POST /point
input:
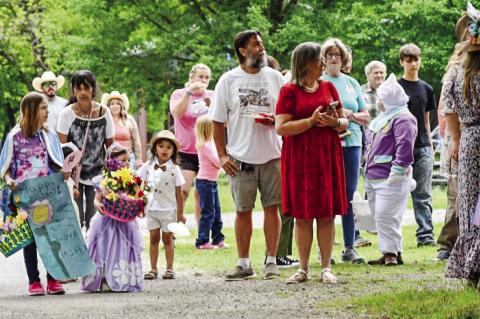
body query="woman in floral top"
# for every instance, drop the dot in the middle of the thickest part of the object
(31, 151)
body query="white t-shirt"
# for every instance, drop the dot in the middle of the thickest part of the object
(55, 106)
(238, 97)
(153, 176)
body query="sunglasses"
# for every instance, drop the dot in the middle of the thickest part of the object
(48, 84)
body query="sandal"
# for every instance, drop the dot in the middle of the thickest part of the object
(151, 275)
(327, 277)
(299, 277)
(169, 274)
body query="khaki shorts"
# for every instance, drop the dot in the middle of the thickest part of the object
(157, 219)
(264, 177)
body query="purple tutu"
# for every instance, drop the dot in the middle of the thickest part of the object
(116, 249)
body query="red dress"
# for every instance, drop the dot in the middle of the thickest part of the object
(313, 176)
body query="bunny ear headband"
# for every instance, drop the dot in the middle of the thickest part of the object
(473, 43)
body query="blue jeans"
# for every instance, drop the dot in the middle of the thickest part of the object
(351, 160)
(210, 214)
(422, 195)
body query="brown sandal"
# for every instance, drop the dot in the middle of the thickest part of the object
(169, 274)
(297, 278)
(151, 275)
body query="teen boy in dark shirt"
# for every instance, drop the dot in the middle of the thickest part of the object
(421, 102)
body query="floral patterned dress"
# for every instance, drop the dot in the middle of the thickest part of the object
(464, 261)
(116, 249)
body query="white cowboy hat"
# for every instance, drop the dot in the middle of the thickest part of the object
(106, 97)
(47, 76)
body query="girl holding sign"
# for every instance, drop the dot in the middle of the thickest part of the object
(31, 150)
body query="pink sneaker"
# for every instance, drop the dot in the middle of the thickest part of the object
(222, 244)
(36, 289)
(206, 246)
(54, 287)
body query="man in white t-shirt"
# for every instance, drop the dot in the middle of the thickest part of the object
(48, 84)
(245, 100)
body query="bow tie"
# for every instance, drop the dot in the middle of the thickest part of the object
(162, 167)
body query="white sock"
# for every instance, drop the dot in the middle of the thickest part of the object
(244, 262)
(271, 260)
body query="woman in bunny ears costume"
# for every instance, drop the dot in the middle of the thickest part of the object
(388, 168)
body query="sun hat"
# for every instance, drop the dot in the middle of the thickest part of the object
(46, 77)
(165, 134)
(106, 97)
(390, 92)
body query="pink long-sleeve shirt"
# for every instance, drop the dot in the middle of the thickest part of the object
(209, 162)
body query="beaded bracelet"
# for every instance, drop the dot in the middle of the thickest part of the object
(338, 124)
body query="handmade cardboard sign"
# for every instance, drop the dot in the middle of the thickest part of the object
(54, 225)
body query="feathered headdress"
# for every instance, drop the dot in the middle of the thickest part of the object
(473, 30)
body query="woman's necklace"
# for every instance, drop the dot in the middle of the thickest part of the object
(82, 113)
(311, 89)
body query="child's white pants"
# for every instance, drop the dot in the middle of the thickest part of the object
(387, 204)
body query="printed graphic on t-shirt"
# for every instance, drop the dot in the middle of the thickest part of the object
(254, 100)
(199, 107)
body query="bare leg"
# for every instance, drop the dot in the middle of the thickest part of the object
(167, 239)
(243, 233)
(325, 237)
(271, 229)
(303, 239)
(154, 241)
(189, 177)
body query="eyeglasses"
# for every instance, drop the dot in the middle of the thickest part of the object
(331, 55)
(48, 84)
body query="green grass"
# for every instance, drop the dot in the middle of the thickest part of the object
(439, 197)
(412, 303)
(414, 290)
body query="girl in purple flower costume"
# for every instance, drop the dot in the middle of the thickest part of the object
(115, 247)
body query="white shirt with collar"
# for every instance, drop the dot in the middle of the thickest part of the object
(161, 200)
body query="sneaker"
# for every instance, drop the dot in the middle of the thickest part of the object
(206, 246)
(443, 255)
(349, 255)
(36, 289)
(221, 244)
(427, 244)
(361, 242)
(270, 271)
(240, 273)
(54, 287)
(285, 262)
(327, 277)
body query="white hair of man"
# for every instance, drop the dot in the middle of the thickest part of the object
(374, 64)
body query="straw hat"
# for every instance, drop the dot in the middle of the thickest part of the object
(46, 77)
(106, 97)
(165, 134)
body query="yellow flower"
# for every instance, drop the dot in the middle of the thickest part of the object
(124, 175)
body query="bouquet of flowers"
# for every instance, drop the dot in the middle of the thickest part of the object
(15, 233)
(124, 194)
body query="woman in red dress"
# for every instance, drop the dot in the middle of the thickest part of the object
(309, 116)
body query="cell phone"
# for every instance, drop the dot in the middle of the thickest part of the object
(332, 106)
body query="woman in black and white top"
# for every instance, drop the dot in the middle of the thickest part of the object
(73, 121)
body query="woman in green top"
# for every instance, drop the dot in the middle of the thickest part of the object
(336, 54)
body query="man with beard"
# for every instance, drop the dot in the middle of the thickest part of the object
(245, 99)
(48, 84)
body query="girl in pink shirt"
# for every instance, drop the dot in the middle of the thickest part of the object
(206, 184)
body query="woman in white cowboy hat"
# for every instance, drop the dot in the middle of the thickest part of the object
(126, 129)
(48, 84)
